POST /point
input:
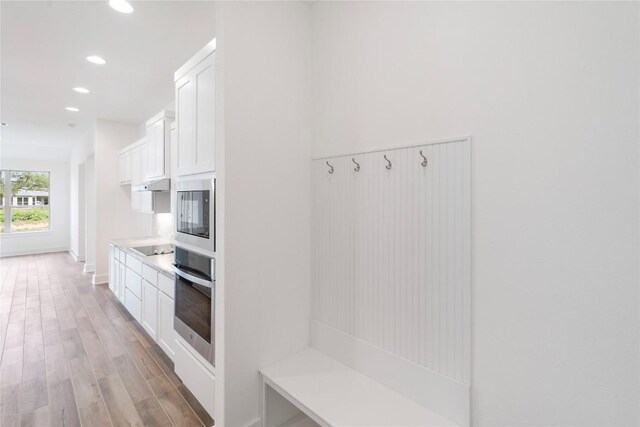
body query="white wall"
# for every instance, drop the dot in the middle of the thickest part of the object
(549, 92)
(113, 203)
(79, 154)
(91, 222)
(81, 212)
(108, 203)
(263, 172)
(57, 238)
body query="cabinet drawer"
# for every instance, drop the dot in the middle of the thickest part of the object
(198, 378)
(133, 304)
(135, 264)
(166, 284)
(134, 283)
(150, 275)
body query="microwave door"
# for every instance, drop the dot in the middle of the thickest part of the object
(197, 209)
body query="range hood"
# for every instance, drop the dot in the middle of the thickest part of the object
(163, 184)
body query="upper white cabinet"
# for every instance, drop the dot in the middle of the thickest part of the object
(135, 159)
(136, 174)
(124, 167)
(159, 146)
(195, 113)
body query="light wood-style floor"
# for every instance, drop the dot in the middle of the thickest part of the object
(72, 355)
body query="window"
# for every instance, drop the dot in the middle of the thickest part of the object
(27, 206)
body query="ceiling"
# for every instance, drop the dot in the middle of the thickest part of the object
(42, 57)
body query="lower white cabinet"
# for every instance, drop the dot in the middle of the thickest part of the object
(196, 376)
(133, 283)
(166, 339)
(117, 271)
(133, 304)
(120, 293)
(114, 271)
(150, 309)
(146, 294)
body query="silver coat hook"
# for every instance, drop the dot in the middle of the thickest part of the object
(330, 167)
(424, 159)
(388, 161)
(357, 168)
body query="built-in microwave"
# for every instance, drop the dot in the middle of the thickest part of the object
(195, 213)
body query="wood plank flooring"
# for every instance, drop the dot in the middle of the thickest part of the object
(71, 355)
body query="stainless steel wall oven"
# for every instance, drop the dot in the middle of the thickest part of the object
(194, 318)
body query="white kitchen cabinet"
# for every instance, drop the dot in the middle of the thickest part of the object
(124, 167)
(195, 113)
(136, 177)
(133, 283)
(198, 377)
(116, 273)
(113, 268)
(121, 287)
(166, 339)
(146, 294)
(146, 197)
(159, 146)
(133, 305)
(150, 308)
(142, 201)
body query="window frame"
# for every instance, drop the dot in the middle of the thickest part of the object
(8, 203)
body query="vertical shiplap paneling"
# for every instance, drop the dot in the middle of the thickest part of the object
(391, 252)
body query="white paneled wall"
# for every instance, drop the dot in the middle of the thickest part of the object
(391, 252)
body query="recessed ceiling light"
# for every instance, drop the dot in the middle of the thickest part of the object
(81, 89)
(121, 6)
(96, 60)
(4, 124)
(74, 109)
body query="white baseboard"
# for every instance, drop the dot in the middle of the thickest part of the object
(441, 394)
(89, 268)
(31, 251)
(75, 256)
(99, 279)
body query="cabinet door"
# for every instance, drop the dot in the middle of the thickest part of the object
(165, 324)
(150, 309)
(113, 269)
(146, 201)
(185, 124)
(121, 169)
(121, 286)
(144, 162)
(155, 143)
(124, 168)
(136, 165)
(205, 116)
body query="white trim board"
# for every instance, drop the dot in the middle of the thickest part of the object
(75, 256)
(32, 252)
(466, 138)
(99, 279)
(443, 395)
(89, 268)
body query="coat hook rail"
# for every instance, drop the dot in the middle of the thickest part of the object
(330, 167)
(388, 162)
(424, 159)
(357, 168)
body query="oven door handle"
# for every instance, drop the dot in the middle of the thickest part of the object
(194, 279)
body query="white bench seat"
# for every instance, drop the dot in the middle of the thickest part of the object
(333, 394)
